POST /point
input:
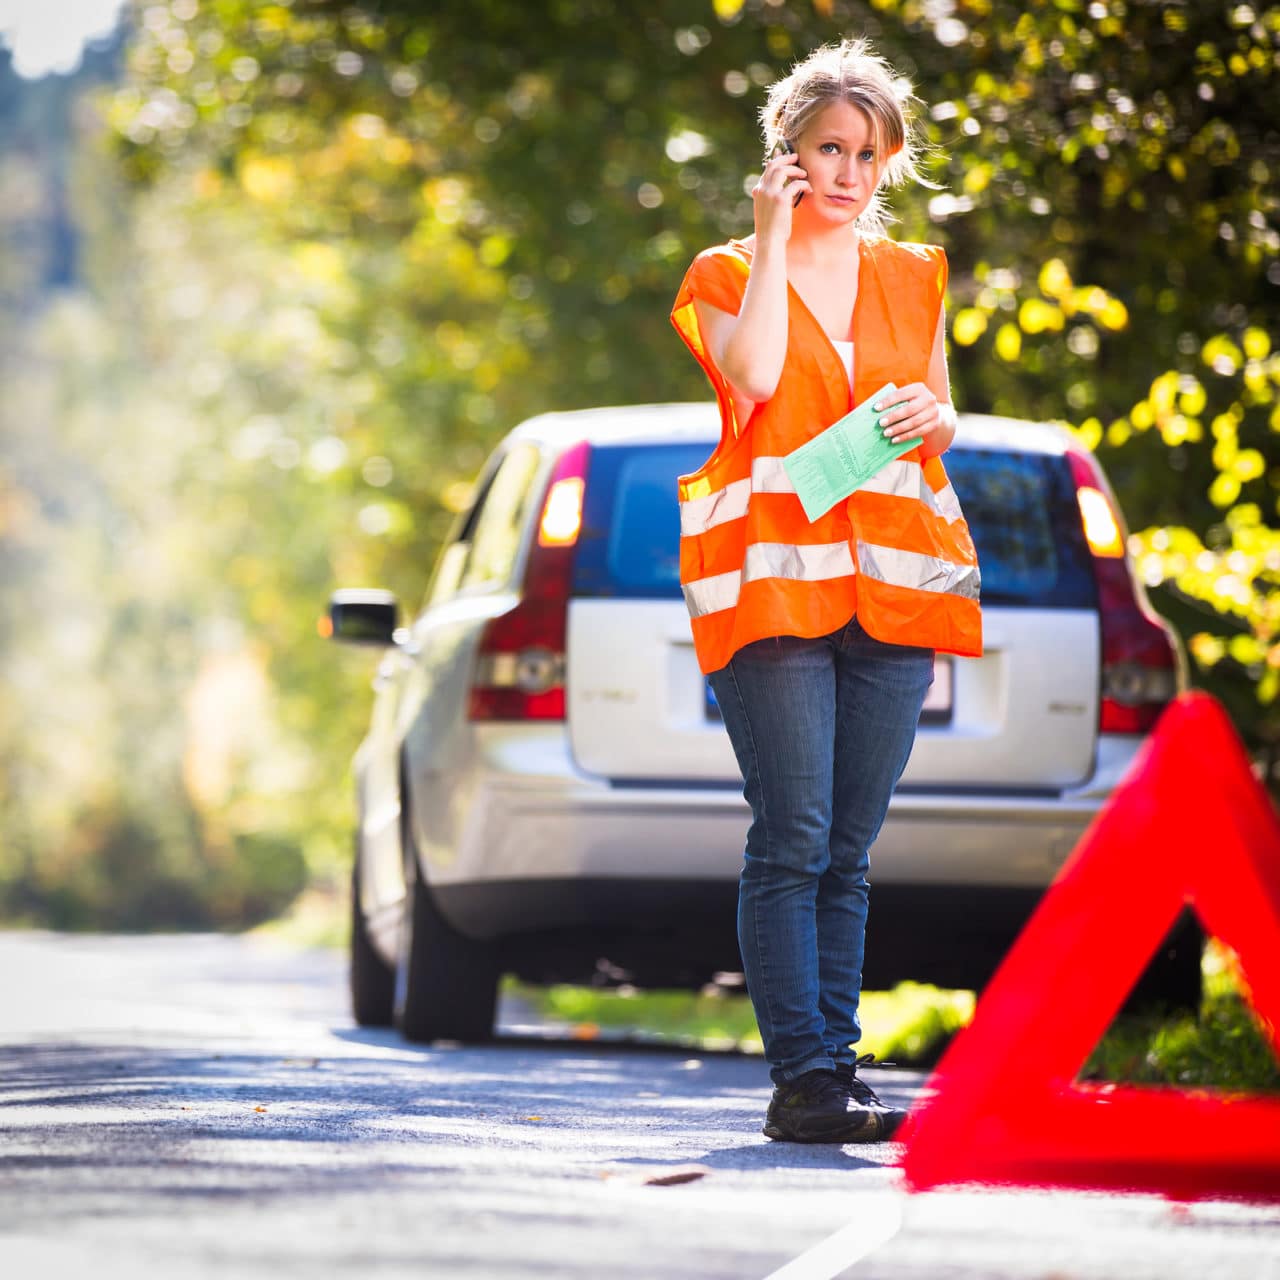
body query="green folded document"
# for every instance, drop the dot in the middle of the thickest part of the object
(843, 457)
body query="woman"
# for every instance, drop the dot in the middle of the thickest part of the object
(818, 637)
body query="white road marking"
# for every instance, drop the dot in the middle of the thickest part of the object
(879, 1218)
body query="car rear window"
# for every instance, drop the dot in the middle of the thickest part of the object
(630, 540)
(1021, 510)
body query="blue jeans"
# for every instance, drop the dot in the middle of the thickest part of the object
(822, 730)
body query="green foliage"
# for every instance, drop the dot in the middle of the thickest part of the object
(1223, 1048)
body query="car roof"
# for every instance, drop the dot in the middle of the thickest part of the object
(698, 422)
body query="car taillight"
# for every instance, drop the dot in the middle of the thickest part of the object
(520, 662)
(1139, 655)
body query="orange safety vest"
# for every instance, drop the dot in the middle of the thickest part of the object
(897, 552)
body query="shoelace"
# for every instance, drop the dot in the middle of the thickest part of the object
(862, 1092)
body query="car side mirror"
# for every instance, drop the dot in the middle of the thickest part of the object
(363, 616)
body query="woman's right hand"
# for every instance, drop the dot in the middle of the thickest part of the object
(775, 194)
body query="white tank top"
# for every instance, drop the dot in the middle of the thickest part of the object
(845, 351)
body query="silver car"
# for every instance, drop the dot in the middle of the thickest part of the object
(546, 788)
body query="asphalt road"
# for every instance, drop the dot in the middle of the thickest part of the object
(193, 1106)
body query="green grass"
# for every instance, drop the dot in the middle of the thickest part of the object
(908, 1024)
(1224, 1048)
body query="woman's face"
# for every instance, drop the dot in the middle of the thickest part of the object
(838, 151)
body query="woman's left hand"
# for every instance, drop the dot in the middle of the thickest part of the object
(915, 413)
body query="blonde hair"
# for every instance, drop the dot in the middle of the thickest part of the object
(852, 72)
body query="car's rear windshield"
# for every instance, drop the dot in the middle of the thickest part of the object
(1021, 509)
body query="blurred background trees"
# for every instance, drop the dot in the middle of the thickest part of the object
(274, 277)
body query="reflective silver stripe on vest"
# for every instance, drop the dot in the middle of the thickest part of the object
(814, 563)
(906, 480)
(768, 475)
(697, 515)
(710, 595)
(919, 572)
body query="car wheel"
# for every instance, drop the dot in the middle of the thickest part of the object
(373, 981)
(446, 983)
(1173, 980)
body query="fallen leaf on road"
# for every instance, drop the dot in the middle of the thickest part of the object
(585, 1031)
(259, 1108)
(673, 1177)
(533, 1117)
(670, 1175)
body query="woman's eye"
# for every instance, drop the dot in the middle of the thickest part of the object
(867, 155)
(828, 147)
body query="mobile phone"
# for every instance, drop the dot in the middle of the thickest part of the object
(788, 145)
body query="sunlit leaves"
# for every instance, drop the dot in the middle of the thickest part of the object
(1239, 578)
(1036, 316)
(1008, 343)
(1055, 279)
(969, 325)
(1225, 489)
(1221, 354)
(1256, 343)
(1248, 464)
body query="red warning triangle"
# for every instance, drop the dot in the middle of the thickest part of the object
(1189, 824)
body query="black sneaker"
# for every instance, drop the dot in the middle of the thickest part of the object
(816, 1107)
(864, 1095)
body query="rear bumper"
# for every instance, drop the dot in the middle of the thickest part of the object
(523, 814)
